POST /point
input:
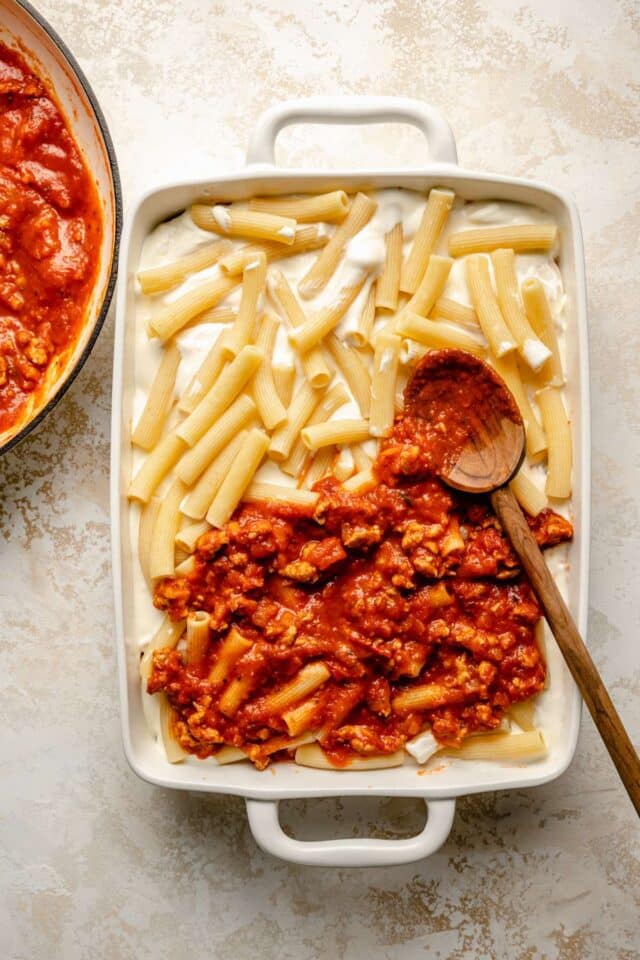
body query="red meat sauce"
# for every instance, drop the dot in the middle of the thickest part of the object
(50, 235)
(449, 394)
(406, 584)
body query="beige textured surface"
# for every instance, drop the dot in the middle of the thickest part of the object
(98, 864)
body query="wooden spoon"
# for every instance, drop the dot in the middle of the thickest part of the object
(487, 440)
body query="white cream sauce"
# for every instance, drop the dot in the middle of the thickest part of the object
(363, 255)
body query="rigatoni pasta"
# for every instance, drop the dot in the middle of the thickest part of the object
(520, 237)
(200, 496)
(302, 406)
(220, 434)
(174, 315)
(558, 431)
(331, 206)
(309, 334)
(486, 306)
(383, 384)
(335, 432)
(533, 351)
(434, 218)
(387, 287)
(151, 421)
(235, 221)
(240, 475)
(166, 276)
(306, 239)
(313, 361)
(240, 333)
(539, 315)
(360, 212)
(270, 407)
(163, 535)
(221, 395)
(332, 400)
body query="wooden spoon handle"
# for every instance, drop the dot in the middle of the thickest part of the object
(576, 655)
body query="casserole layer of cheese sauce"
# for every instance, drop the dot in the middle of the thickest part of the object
(180, 236)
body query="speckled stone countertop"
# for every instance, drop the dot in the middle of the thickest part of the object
(96, 863)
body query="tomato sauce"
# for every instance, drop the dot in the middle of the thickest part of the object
(50, 235)
(407, 584)
(449, 394)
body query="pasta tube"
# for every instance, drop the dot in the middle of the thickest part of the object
(434, 218)
(324, 206)
(541, 319)
(486, 306)
(383, 384)
(221, 395)
(313, 363)
(361, 481)
(523, 713)
(257, 492)
(501, 746)
(149, 426)
(362, 335)
(361, 211)
(308, 679)
(446, 309)
(284, 379)
(240, 475)
(302, 406)
(388, 286)
(219, 434)
(320, 466)
(530, 347)
(159, 279)
(148, 517)
(335, 398)
(270, 407)
(431, 286)
(168, 635)
(233, 221)
(197, 636)
(435, 334)
(160, 461)
(204, 377)
(344, 466)
(235, 693)
(528, 495)
(239, 335)
(187, 537)
(558, 431)
(199, 499)
(232, 648)
(521, 237)
(163, 538)
(335, 432)
(175, 315)
(507, 368)
(174, 751)
(310, 333)
(354, 370)
(311, 237)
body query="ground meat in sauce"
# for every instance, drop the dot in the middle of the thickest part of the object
(50, 234)
(408, 583)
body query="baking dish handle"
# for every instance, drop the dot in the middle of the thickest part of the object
(349, 852)
(442, 145)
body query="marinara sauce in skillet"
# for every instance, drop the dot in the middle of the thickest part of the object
(50, 234)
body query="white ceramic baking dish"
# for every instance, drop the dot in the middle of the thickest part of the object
(439, 787)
